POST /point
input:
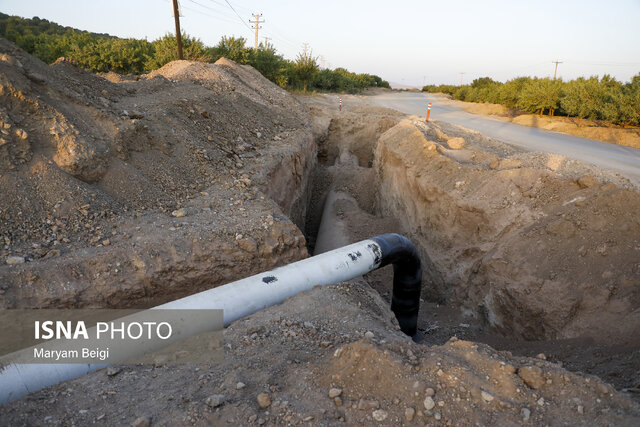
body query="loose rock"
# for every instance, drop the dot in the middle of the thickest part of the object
(13, 260)
(409, 413)
(380, 415)
(532, 376)
(264, 400)
(141, 422)
(335, 392)
(178, 213)
(365, 404)
(429, 403)
(487, 397)
(112, 371)
(587, 181)
(216, 400)
(456, 143)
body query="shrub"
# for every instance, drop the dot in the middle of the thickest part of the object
(165, 50)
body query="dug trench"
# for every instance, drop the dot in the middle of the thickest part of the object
(531, 253)
(129, 192)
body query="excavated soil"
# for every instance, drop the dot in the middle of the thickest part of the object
(140, 191)
(123, 192)
(311, 364)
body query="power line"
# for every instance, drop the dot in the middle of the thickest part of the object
(228, 19)
(276, 29)
(555, 72)
(218, 15)
(224, 4)
(280, 39)
(210, 8)
(208, 15)
(608, 64)
(239, 17)
(257, 26)
(275, 33)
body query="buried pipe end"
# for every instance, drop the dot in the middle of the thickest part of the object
(407, 278)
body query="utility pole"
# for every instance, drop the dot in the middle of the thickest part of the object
(266, 41)
(461, 75)
(257, 26)
(322, 61)
(306, 47)
(555, 72)
(176, 16)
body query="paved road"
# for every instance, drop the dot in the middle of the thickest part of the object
(625, 160)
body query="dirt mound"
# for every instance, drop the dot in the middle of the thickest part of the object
(227, 75)
(522, 240)
(91, 167)
(301, 362)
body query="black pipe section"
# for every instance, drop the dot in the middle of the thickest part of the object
(407, 278)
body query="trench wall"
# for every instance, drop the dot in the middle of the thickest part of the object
(534, 253)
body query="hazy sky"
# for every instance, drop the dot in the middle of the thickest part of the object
(402, 41)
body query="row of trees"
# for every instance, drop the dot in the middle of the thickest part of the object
(101, 53)
(592, 98)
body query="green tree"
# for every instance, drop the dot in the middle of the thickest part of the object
(233, 48)
(593, 98)
(268, 62)
(539, 95)
(509, 93)
(305, 66)
(165, 50)
(630, 102)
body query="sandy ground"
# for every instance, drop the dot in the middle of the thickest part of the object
(208, 172)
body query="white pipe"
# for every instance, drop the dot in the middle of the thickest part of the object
(333, 232)
(237, 299)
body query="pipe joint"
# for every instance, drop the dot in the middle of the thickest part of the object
(407, 278)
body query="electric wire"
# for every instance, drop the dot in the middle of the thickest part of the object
(238, 15)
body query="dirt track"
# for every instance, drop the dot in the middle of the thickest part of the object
(130, 193)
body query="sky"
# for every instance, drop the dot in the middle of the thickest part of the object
(406, 42)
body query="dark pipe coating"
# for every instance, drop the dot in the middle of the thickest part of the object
(407, 278)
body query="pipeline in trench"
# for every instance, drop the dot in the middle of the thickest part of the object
(345, 207)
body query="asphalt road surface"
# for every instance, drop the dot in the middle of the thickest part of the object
(624, 160)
